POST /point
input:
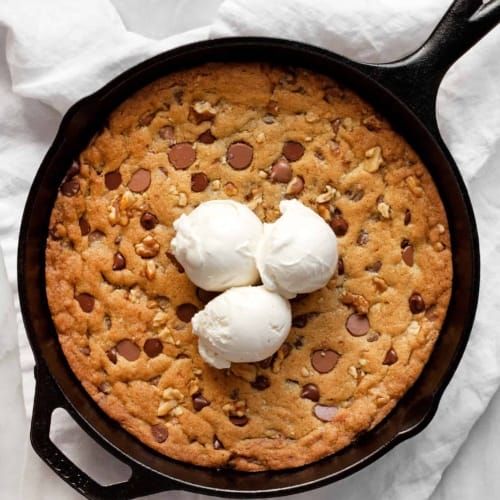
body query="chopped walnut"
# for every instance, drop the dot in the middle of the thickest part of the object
(216, 184)
(324, 212)
(261, 137)
(230, 189)
(358, 301)
(414, 186)
(283, 352)
(182, 201)
(147, 248)
(150, 269)
(202, 111)
(380, 283)
(384, 210)
(159, 319)
(193, 386)
(413, 328)
(312, 117)
(327, 195)
(245, 371)
(373, 159)
(235, 408)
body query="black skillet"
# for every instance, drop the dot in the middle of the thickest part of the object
(405, 91)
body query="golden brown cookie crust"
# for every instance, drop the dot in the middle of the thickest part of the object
(112, 284)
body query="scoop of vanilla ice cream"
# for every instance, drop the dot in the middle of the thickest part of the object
(298, 252)
(242, 325)
(216, 244)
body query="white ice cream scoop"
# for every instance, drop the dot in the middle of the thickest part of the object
(216, 244)
(298, 253)
(242, 325)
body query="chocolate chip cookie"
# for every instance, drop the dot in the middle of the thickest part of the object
(122, 304)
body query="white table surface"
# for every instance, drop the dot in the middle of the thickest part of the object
(474, 473)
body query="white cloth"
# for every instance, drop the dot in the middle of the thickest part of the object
(56, 52)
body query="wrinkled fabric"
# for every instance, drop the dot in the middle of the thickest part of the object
(53, 53)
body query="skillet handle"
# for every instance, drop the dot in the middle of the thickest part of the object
(415, 79)
(48, 397)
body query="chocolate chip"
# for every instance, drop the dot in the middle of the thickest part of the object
(375, 267)
(324, 361)
(73, 170)
(357, 325)
(112, 180)
(260, 383)
(339, 225)
(205, 296)
(266, 363)
(186, 311)
(372, 337)
(140, 181)
(199, 402)
(111, 354)
(128, 349)
(95, 236)
(298, 342)
(182, 155)
(167, 133)
(118, 240)
(153, 347)
(146, 119)
(159, 432)
(272, 107)
(239, 155)
(70, 188)
(296, 186)
(104, 387)
(408, 255)
(407, 218)
(178, 95)
(148, 221)
(119, 262)
(417, 304)
(86, 302)
(199, 182)
(336, 125)
(234, 394)
(85, 350)
(325, 413)
(217, 444)
(391, 357)
(174, 261)
(206, 137)
(356, 195)
(281, 171)
(340, 266)
(300, 321)
(84, 226)
(310, 391)
(293, 150)
(107, 322)
(239, 421)
(363, 237)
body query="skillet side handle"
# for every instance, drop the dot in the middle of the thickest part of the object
(47, 398)
(415, 79)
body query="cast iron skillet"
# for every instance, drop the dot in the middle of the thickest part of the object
(405, 91)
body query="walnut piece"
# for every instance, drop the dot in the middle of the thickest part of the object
(373, 159)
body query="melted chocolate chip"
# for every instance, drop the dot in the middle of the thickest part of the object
(199, 182)
(340, 266)
(391, 357)
(266, 363)
(73, 170)
(86, 302)
(186, 311)
(293, 150)
(206, 137)
(339, 225)
(95, 236)
(119, 262)
(356, 195)
(408, 254)
(84, 226)
(281, 171)
(310, 391)
(199, 402)
(375, 267)
(85, 350)
(112, 180)
(168, 134)
(70, 187)
(407, 218)
(324, 361)
(324, 413)
(239, 155)
(363, 237)
(182, 155)
(300, 321)
(140, 181)
(104, 387)
(416, 302)
(159, 432)
(153, 347)
(111, 354)
(205, 296)
(128, 349)
(148, 221)
(146, 119)
(174, 261)
(239, 421)
(217, 444)
(357, 325)
(260, 383)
